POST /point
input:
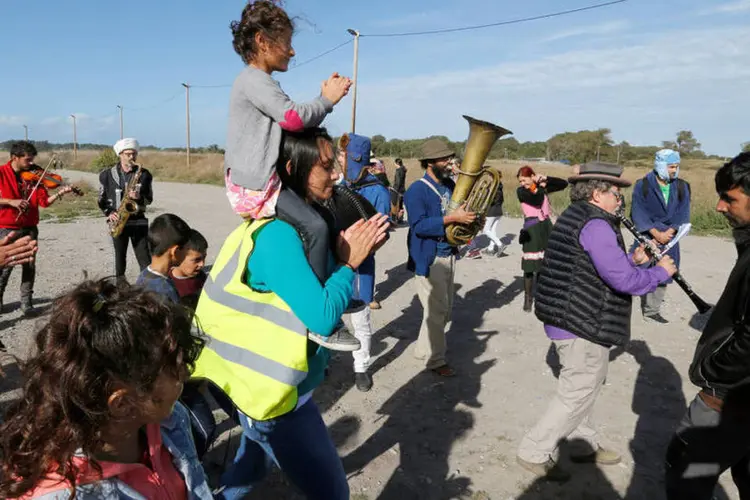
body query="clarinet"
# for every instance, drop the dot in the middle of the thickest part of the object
(702, 306)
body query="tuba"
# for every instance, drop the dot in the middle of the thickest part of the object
(128, 206)
(476, 186)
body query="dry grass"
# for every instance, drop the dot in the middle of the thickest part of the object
(71, 206)
(204, 168)
(208, 169)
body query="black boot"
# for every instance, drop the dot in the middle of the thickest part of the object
(27, 305)
(528, 292)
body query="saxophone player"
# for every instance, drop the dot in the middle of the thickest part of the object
(113, 187)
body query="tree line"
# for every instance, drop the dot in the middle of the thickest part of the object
(46, 146)
(567, 147)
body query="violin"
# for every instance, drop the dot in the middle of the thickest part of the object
(49, 180)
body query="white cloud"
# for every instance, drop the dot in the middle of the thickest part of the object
(594, 29)
(12, 120)
(673, 59)
(675, 80)
(729, 8)
(52, 121)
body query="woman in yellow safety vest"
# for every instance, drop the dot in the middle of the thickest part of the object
(258, 304)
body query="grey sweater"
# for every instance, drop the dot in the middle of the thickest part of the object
(258, 111)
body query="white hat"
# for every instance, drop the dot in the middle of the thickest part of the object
(125, 144)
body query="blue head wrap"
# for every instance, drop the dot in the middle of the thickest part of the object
(664, 158)
(357, 155)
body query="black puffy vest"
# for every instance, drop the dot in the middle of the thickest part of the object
(570, 294)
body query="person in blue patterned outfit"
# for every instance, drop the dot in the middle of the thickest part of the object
(372, 189)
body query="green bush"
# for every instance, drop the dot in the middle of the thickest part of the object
(106, 159)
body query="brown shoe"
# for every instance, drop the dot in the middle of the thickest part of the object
(444, 371)
(375, 304)
(549, 470)
(600, 456)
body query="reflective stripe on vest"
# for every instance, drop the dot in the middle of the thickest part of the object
(256, 348)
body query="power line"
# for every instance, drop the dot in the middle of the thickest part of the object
(295, 66)
(333, 49)
(158, 104)
(500, 23)
(211, 86)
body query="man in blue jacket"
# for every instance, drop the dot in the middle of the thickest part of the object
(661, 204)
(431, 257)
(366, 184)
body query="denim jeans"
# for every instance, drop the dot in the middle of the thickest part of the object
(299, 444)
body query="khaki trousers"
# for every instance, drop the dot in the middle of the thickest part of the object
(584, 368)
(436, 295)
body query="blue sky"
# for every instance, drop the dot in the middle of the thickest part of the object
(643, 68)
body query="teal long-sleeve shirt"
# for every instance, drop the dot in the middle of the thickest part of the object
(278, 263)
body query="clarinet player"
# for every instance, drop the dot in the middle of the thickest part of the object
(113, 183)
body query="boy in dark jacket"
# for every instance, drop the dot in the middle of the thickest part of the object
(714, 434)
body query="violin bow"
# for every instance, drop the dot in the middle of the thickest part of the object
(49, 164)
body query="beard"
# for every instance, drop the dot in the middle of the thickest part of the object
(442, 173)
(734, 222)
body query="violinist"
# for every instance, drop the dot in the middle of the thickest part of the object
(20, 200)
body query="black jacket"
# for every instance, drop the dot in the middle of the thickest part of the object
(399, 180)
(722, 358)
(570, 293)
(554, 184)
(112, 180)
(496, 209)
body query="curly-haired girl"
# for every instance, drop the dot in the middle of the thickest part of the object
(258, 112)
(99, 417)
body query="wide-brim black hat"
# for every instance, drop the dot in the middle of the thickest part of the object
(600, 171)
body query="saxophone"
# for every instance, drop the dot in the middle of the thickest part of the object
(127, 207)
(476, 185)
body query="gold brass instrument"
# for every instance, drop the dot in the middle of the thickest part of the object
(127, 207)
(476, 186)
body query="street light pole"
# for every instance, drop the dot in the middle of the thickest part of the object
(75, 138)
(121, 127)
(355, 34)
(187, 119)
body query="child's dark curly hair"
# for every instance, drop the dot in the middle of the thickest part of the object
(99, 335)
(262, 16)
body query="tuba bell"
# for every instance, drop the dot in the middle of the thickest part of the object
(476, 185)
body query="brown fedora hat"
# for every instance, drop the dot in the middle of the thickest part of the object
(434, 149)
(600, 171)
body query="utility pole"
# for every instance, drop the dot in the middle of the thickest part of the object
(355, 34)
(121, 128)
(187, 119)
(25, 133)
(75, 138)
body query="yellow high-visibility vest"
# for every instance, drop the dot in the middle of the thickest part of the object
(256, 350)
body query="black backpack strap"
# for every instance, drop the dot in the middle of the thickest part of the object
(358, 186)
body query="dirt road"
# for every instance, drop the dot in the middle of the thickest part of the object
(415, 436)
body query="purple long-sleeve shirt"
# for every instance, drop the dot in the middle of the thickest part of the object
(615, 267)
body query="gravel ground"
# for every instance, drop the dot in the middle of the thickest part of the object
(415, 436)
